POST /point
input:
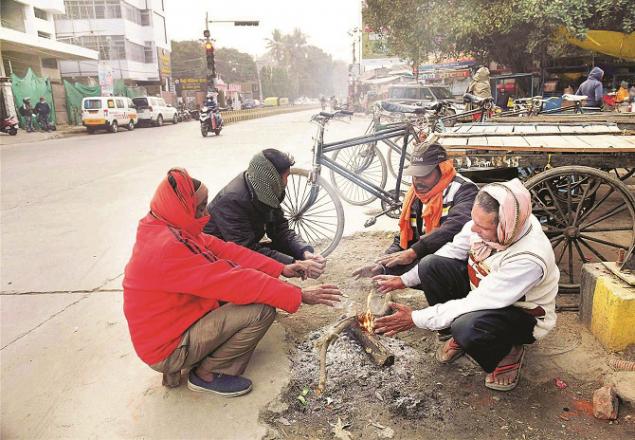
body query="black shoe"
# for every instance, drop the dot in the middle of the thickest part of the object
(223, 385)
(444, 334)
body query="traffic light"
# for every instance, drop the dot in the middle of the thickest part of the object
(209, 54)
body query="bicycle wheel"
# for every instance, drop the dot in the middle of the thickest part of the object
(365, 161)
(321, 224)
(393, 161)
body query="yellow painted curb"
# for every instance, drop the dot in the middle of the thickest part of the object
(613, 314)
(244, 115)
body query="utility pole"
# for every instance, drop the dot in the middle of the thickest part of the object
(209, 48)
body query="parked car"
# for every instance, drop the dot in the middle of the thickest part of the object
(154, 111)
(420, 95)
(109, 113)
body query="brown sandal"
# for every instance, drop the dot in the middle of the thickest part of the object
(449, 352)
(515, 366)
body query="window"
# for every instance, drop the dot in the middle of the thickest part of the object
(426, 93)
(132, 14)
(111, 103)
(145, 17)
(83, 9)
(135, 52)
(43, 34)
(92, 104)
(441, 92)
(49, 63)
(110, 47)
(39, 13)
(120, 103)
(149, 52)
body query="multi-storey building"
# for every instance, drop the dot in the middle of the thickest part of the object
(28, 40)
(130, 36)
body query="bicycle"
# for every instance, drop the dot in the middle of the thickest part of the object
(313, 206)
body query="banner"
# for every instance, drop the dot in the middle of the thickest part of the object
(165, 65)
(104, 72)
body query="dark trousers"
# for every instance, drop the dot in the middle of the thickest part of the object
(486, 335)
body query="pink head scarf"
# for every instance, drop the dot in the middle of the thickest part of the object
(514, 211)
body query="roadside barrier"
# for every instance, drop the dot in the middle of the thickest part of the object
(244, 115)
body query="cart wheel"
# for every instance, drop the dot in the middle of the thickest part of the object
(587, 214)
(393, 162)
(321, 224)
(622, 173)
(365, 161)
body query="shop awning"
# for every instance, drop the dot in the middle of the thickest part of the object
(616, 44)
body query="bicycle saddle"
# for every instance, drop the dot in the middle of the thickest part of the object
(569, 97)
(468, 97)
(399, 108)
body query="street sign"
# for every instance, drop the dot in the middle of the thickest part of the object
(247, 23)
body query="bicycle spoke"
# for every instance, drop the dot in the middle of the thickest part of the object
(564, 248)
(582, 257)
(608, 229)
(570, 263)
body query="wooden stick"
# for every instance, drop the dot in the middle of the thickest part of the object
(372, 346)
(324, 343)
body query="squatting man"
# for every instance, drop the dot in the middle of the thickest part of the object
(493, 287)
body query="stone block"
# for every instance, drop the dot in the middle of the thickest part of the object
(605, 403)
(624, 383)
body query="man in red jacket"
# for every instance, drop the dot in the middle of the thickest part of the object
(193, 300)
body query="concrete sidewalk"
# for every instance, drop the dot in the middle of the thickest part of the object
(72, 373)
(23, 137)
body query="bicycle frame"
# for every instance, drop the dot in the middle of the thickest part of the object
(320, 159)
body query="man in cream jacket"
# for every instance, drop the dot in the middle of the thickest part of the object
(493, 287)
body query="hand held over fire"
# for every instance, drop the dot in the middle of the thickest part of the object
(388, 283)
(304, 269)
(327, 294)
(399, 321)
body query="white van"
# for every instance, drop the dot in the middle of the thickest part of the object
(154, 111)
(108, 112)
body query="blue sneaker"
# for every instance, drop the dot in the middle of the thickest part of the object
(223, 385)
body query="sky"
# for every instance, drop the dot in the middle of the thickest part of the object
(325, 22)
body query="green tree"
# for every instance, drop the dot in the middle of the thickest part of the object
(518, 33)
(189, 61)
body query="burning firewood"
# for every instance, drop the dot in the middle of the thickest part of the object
(361, 327)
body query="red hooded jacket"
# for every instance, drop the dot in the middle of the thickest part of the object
(177, 274)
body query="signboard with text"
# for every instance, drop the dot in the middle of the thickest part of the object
(165, 66)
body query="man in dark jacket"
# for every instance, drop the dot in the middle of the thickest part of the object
(26, 111)
(592, 88)
(435, 209)
(43, 110)
(249, 207)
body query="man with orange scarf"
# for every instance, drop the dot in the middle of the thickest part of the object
(435, 208)
(494, 287)
(194, 301)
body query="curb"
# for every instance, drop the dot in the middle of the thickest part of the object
(230, 117)
(607, 307)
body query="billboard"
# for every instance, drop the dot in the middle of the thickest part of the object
(106, 82)
(165, 65)
(374, 45)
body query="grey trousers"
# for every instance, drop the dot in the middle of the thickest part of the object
(221, 341)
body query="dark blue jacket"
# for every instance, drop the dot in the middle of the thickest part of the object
(592, 88)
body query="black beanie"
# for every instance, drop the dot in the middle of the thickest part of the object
(281, 161)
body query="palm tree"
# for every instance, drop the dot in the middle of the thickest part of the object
(276, 46)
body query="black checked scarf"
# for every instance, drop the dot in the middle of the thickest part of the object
(265, 180)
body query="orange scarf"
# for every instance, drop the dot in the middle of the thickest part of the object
(433, 201)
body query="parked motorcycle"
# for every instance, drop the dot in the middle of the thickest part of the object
(211, 120)
(9, 125)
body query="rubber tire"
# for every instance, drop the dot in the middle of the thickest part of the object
(90, 130)
(384, 179)
(217, 132)
(130, 125)
(338, 209)
(13, 132)
(114, 127)
(175, 120)
(159, 121)
(204, 130)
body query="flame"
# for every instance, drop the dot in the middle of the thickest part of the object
(367, 319)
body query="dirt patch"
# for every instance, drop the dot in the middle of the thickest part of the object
(419, 398)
